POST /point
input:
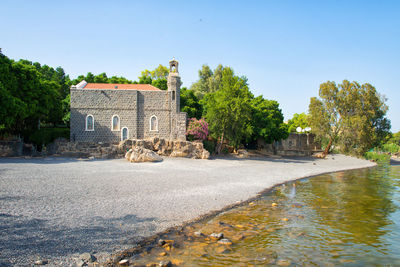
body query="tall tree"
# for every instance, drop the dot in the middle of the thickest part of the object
(228, 109)
(190, 104)
(350, 114)
(157, 77)
(298, 120)
(208, 82)
(267, 120)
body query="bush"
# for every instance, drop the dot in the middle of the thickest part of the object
(391, 148)
(377, 156)
(197, 129)
(209, 145)
(45, 136)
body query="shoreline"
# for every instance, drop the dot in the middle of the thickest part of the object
(147, 199)
(153, 240)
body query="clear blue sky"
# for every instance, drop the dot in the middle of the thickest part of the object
(285, 48)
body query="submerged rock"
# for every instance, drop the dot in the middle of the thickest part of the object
(165, 264)
(217, 236)
(198, 234)
(225, 241)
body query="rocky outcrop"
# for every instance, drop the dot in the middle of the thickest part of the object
(169, 148)
(140, 154)
(162, 147)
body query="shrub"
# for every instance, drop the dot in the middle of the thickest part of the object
(377, 156)
(391, 148)
(197, 129)
(209, 145)
(45, 136)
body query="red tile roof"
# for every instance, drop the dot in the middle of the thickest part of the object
(145, 87)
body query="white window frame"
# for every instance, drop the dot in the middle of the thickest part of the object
(86, 124)
(112, 124)
(122, 133)
(152, 130)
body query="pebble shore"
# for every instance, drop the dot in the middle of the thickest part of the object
(56, 209)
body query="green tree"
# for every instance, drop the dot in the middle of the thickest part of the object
(157, 77)
(267, 120)
(228, 109)
(190, 104)
(298, 120)
(208, 82)
(350, 114)
(394, 138)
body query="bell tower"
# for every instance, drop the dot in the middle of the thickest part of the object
(174, 85)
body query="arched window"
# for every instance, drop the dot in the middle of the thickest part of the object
(124, 134)
(89, 125)
(115, 123)
(153, 123)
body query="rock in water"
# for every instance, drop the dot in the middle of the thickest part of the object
(217, 236)
(41, 262)
(123, 262)
(225, 241)
(165, 264)
(140, 154)
(198, 234)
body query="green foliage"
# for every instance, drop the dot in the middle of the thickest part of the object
(100, 78)
(298, 120)
(267, 120)
(391, 148)
(45, 136)
(209, 145)
(351, 113)
(377, 156)
(209, 81)
(228, 109)
(394, 138)
(30, 94)
(157, 77)
(190, 104)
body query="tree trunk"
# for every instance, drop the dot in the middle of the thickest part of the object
(328, 147)
(219, 147)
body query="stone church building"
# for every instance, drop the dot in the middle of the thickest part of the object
(113, 112)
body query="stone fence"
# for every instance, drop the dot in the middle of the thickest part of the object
(11, 148)
(163, 147)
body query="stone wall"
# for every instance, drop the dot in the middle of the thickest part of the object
(102, 104)
(294, 145)
(11, 148)
(134, 108)
(163, 147)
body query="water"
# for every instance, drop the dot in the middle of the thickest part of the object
(347, 218)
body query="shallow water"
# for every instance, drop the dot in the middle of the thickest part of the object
(346, 218)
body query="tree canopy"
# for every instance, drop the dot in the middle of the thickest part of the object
(298, 120)
(228, 109)
(30, 94)
(350, 115)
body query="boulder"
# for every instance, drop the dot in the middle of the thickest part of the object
(140, 154)
(205, 154)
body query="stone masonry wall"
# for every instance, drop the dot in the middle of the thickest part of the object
(11, 148)
(134, 108)
(102, 104)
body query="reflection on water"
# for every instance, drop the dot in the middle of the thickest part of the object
(346, 218)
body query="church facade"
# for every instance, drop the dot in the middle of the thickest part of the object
(114, 112)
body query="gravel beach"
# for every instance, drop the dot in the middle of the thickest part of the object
(58, 208)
